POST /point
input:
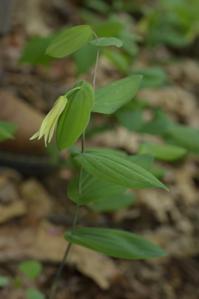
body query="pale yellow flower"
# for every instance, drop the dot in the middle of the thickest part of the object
(50, 121)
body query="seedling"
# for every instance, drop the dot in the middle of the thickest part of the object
(103, 173)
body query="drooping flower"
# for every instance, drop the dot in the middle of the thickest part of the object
(50, 121)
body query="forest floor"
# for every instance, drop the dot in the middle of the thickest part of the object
(35, 211)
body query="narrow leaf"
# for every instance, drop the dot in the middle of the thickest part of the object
(113, 96)
(117, 169)
(107, 42)
(69, 40)
(76, 116)
(115, 243)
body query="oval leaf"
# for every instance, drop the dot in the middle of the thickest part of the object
(115, 243)
(113, 96)
(184, 136)
(107, 42)
(117, 169)
(69, 41)
(34, 51)
(75, 118)
(165, 152)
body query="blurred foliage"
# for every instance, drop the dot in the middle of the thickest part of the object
(31, 270)
(137, 24)
(171, 22)
(7, 130)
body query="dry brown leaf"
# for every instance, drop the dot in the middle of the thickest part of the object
(36, 198)
(176, 101)
(46, 243)
(175, 243)
(185, 73)
(10, 204)
(120, 137)
(13, 210)
(31, 16)
(27, 121)
(185, 187)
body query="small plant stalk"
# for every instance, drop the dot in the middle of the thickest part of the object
(77, 209)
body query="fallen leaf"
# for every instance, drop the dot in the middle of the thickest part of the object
(46, 243)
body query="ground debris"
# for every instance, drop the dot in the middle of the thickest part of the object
(46, 243)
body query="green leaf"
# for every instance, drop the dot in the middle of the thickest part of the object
(32, 269)
(115, 243)
(152, 77)
(6, 130)
(108, 151)
(184, 136)
(32, 293)
(108, 28)
(69, 40)
(97, 5)
(118, 59)
(85, 58)
(113, 203)
(165, 152)
(159, 125)
(158, 171)
(132, 120)
(4, 281)
(107, 42)
(117, 169)
(92, 189)
(145, 161)
(113, 96)
(75, 118)
(129, 42)
(34, 51)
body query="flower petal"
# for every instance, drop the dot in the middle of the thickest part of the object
(49, 123)
(35, 136)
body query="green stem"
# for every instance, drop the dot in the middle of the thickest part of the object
(69, 245)
(68, 248)
(76, 215)
(95, 69)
